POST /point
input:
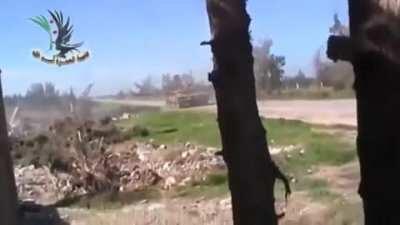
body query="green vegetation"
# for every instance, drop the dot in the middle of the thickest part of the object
(137, 131)
(215, 185)
(178, 127)
(317, 189)
(110, 200)
(201, 128)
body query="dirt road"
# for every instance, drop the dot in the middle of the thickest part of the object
(327, 112)
(134, 102)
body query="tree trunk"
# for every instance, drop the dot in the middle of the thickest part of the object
(245, 150)
(8, 196)
(373, 41)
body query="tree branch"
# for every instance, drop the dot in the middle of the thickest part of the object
(340, 48)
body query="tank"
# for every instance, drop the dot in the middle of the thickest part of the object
(180, 99)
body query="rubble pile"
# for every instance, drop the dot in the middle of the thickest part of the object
(75, 159)
(36, 184)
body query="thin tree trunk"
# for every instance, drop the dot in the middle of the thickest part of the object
(377, 87)
(245, 150)
(8, 196)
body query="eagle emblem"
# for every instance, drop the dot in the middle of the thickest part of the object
(59, 30)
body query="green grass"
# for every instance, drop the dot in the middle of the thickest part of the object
(216, 185)
(202, 129)
(178, 127)
(110, 200)
(317, 189)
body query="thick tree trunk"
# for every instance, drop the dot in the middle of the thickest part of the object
(245, 150)
(377, 87)
(8, 196)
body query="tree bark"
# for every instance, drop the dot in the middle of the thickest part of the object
(378, 105)
(245, 149)
(8, 196)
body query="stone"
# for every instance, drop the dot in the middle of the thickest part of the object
(185, 181)
(169, 183)
(156, 206)
(188, 145)
(185, 154)
(125, 116)
(162, 147)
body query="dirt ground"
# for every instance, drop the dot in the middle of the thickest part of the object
(343, 180)
(202, 212)
(329, 112)
(343, 208)
(300, 211)
(326, 112)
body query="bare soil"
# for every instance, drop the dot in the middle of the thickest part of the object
(325, 112)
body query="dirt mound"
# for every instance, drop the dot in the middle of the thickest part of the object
(80, 158)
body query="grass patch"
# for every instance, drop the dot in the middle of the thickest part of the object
(317, 189)
(216, 185)
(178, 127)
(110, 200)
(136, 131)
(201, 128)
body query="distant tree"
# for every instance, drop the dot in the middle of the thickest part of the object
(181, 82)
(71, 94)
(300, 75)
(339, 75)
(300, 80)
(262, 64)
(276, 68)
(42, 95)
(121, 95)
(177, 82)
(173, 83)
(51, 94)
(187, 80)
(303, 80)
(166, 83)
(146, 87)
(268, 68)
(36, 92)
(50, 90)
